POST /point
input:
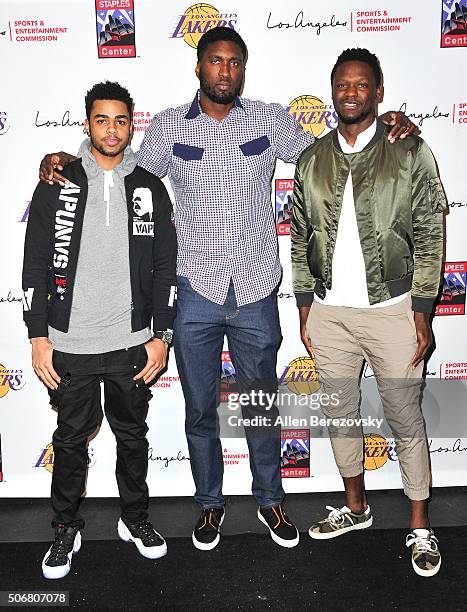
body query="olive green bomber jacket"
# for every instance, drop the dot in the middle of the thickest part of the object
(399, 205)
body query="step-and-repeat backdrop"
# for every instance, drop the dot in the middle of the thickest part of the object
(53, 51)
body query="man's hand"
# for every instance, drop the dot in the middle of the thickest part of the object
(303, 313)
(402, 126)
(42, 362)
(49, 166)
(157, 358)
(424, 337)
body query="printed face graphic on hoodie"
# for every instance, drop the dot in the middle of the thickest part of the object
(142, 203)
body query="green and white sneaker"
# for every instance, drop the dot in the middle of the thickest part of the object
(339, 521)
(426, 558)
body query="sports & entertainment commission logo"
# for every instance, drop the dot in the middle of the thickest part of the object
(300, 376)
(198, 19)
(454, 23)
(452, 301)
(10, 380)
(115, 22)
(377, 451)
(284, 205)
(313, 115)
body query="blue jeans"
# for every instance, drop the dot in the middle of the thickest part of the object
(253, 334)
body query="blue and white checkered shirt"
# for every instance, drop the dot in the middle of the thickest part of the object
(220, 172)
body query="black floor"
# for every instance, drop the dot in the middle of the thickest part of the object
(28, 520)
(365, 570)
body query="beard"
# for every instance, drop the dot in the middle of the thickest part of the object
(352, 120)
(225, 97)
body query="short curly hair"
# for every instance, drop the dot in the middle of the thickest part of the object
(360, 55)
(221, 33)
(108, 90)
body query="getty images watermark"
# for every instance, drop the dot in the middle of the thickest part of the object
(259, 400)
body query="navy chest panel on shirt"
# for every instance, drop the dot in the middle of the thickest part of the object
(222, 154)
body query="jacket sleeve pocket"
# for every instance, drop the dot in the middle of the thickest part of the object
(436, 195)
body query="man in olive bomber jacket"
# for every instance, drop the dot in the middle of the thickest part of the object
(367, 248)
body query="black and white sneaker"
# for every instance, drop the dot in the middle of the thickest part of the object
(282, 530)
(57, 560)
(426, 558)
(206, 534)
(147, 540)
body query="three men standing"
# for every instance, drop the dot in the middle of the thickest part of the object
(219, 153)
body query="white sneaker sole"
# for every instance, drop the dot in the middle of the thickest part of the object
(54, 573)
(276, 538)
(209, 545)
(150, 552)
(426, 573)
(339, 532)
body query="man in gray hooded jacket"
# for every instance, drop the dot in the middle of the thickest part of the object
(99, 264)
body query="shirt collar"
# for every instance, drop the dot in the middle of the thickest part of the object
(195, 109)
(362, 139)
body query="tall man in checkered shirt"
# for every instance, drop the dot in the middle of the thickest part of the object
(219, 152)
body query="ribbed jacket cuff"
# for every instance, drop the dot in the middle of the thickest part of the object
(37, 328)
(422, 304)
(304, 299)
(161, 322)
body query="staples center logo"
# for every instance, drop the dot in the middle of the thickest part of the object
(452, 300)
(198, 19)
(115, 23)
(228, 381)
(295, 453)
(284, 206)
(10, 380)
(313, 115)
(454, 23)
(300, 376)
(377, 451)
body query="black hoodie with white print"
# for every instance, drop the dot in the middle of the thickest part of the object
(100, 257)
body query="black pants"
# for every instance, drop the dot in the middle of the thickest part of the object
(78, 400)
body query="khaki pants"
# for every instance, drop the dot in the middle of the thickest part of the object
(342, 338)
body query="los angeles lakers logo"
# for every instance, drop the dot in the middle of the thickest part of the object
(378, 451)
(313, 114)
(10, 380)
(46, 458)
(301, 376)
(198, 19)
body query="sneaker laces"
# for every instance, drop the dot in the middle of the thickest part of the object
(337, 515)
(207, 514)
(423, 544)
(145, 532)
(62, 545)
